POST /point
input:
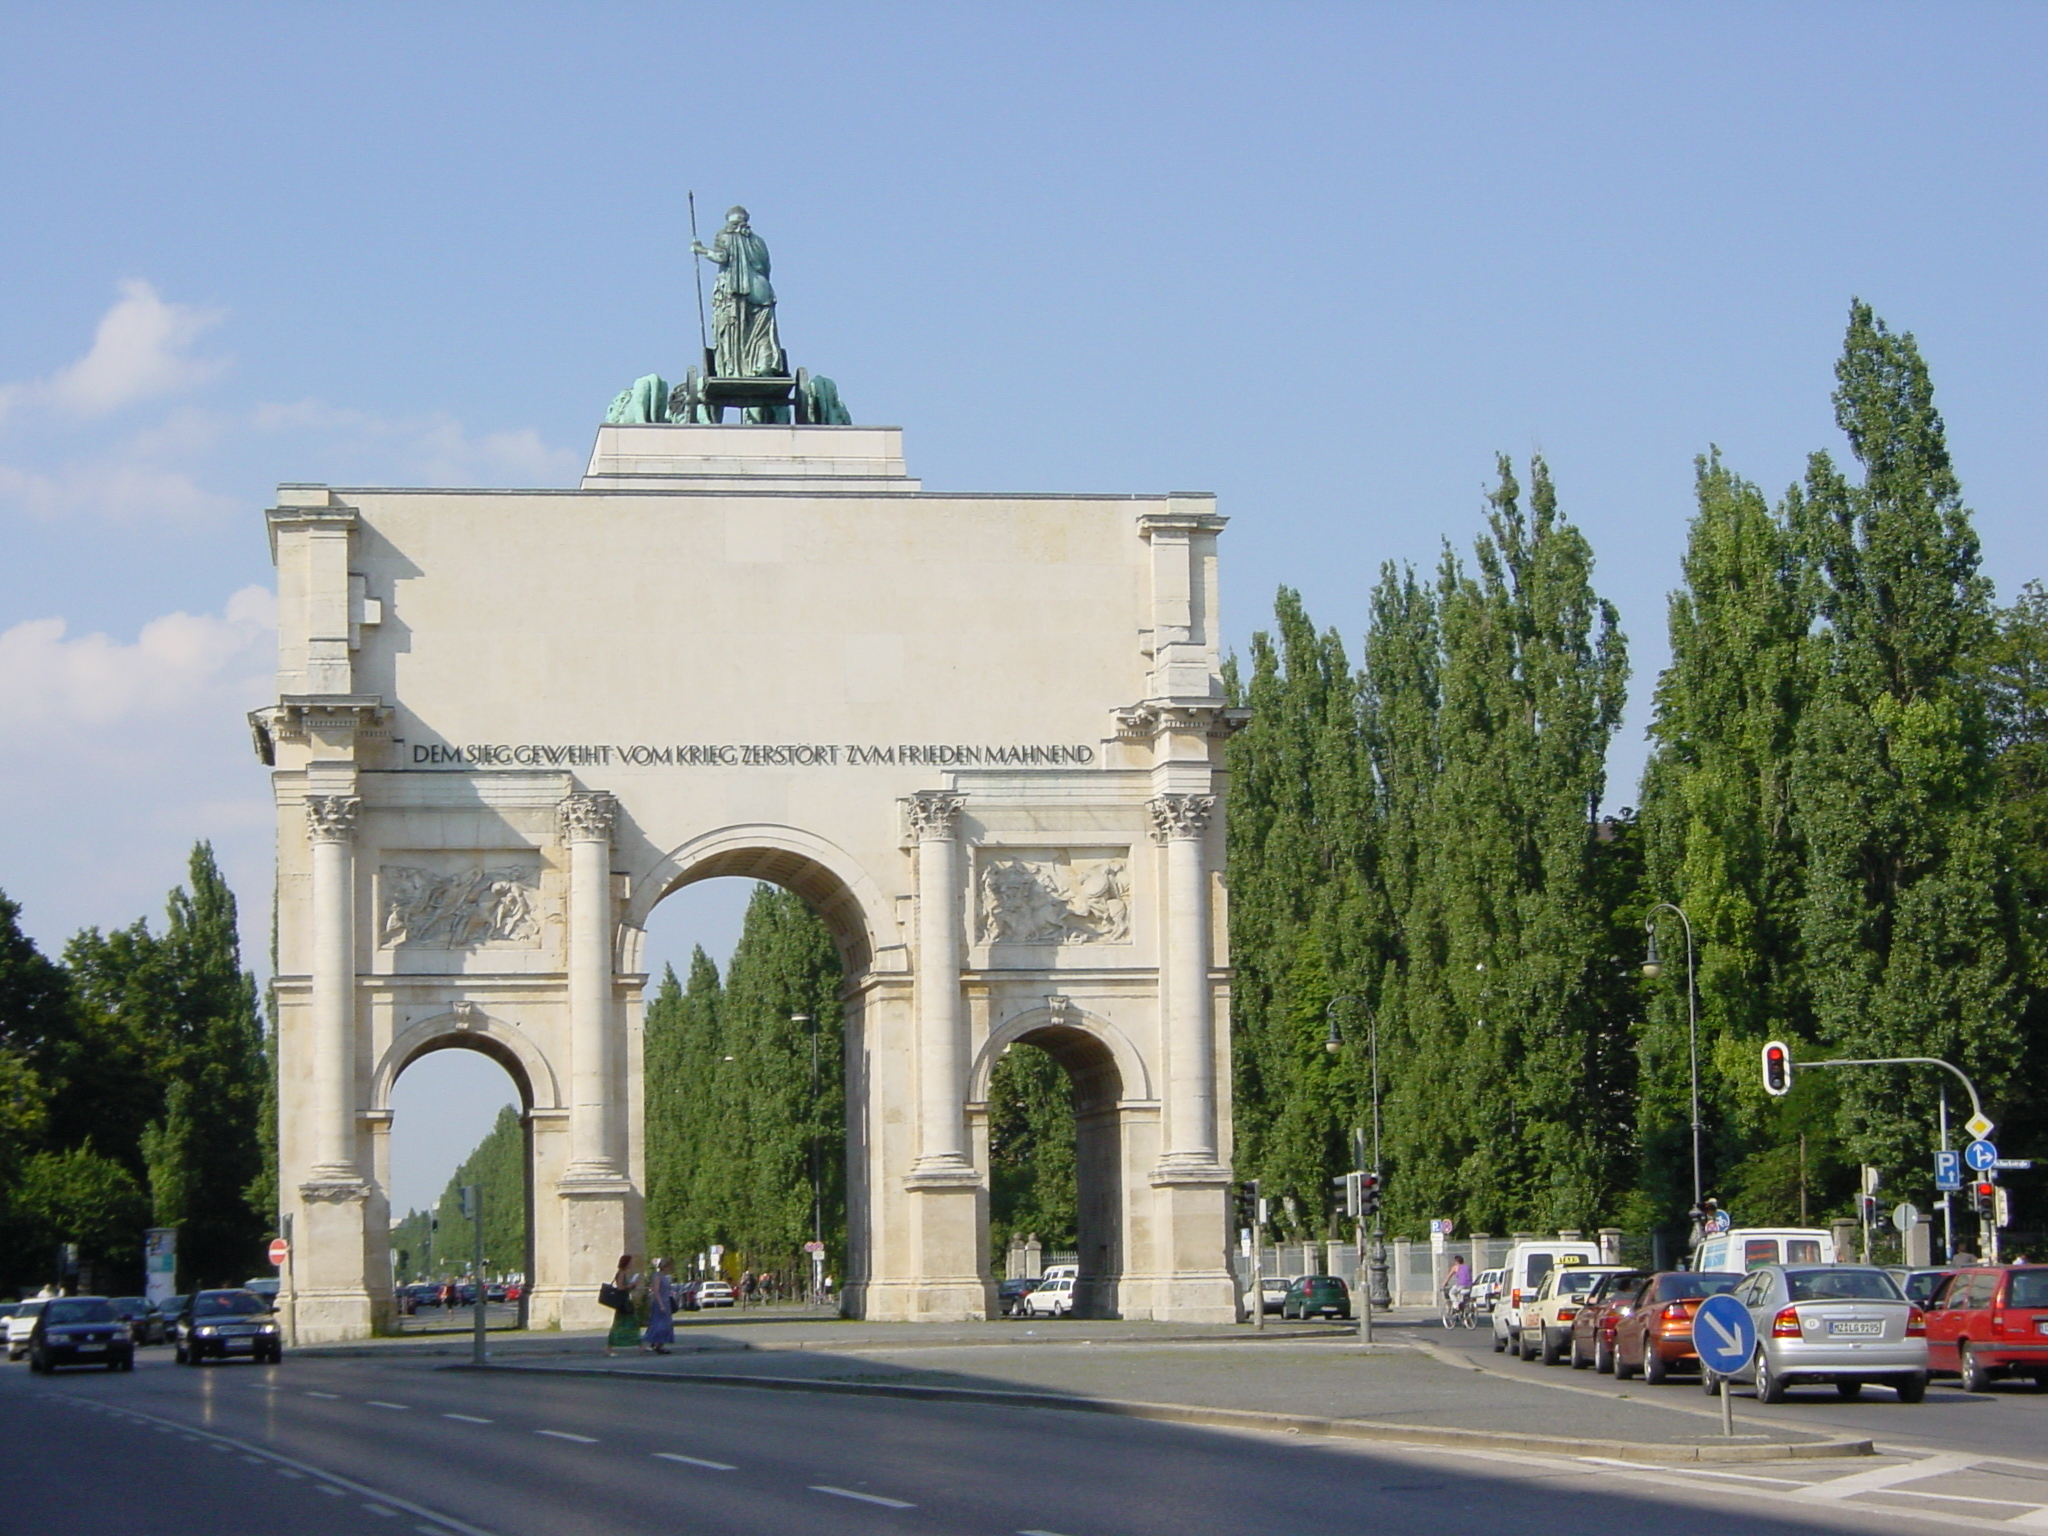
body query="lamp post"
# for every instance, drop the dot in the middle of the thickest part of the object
(1377, 1294)
(1653, 968)
(817, 1198)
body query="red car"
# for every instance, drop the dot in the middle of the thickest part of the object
(1655, 1339)
(1592, 1340)
(1989, 1322)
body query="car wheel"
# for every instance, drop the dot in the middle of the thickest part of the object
(1525, 1346)
(184, 1356)
(1579, 1360)
(1849, 1389)
(1912, 1389)
(1656, 1370)
(1548, 1349)
(1500, 1343)
(38, 1363)
(1709, 1382)
(128, 1363)
(1770, 1388)
(1975, 1377)
(1603, 1358)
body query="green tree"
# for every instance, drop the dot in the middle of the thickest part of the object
(497, 1166)
(1032, 1153)
(1909, 920)
(78, 1196)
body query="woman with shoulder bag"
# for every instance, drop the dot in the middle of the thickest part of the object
(618, 1295)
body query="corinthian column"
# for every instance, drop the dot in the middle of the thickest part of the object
(1179, 822)
(331, 827)
(586, 823)
(941, 1023)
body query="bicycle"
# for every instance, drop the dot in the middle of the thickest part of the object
(1455, 1308)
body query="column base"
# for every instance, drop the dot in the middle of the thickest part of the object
(594, 1227)
(941, 1172)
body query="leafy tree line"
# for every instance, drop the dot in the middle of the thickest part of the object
(441, 1243)
(135, 1084)
(1847, 796)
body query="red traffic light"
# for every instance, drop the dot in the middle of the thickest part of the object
(1777, 1069)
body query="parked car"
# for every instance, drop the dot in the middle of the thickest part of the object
(224, 1323)
(1591, 1340)
(269, 1287)
(1010, 1294)
(711, 1293)
(1920, 1284)
(1526, 1265)
(1655, 1337)
(145, 1323)
(1052, 1298)
(1486, 1290)
(174, 1312)
(80, 1330)
(1547, 1318)
(21, 1324)
(1317, 1296)
(1272, 1292)
(497, 1291)
(1747, 1248)
(1846, 1324)
(1991, 1322)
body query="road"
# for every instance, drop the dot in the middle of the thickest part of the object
(319, 1446)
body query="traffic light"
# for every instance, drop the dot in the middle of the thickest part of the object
(1247, 1207)
(1984, 1198)
(1368, 1194)
(1777, 1069)
(1349, 1184)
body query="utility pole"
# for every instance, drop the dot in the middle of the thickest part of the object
(473, 1208)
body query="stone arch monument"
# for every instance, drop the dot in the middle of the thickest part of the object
(980, 734)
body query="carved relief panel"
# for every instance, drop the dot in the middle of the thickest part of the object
(1052, 896)
(460, 906)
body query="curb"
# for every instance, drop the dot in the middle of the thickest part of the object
(1240, 1418)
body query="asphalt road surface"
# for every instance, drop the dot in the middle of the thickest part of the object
(379, 1445)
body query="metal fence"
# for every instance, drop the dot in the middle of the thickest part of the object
(1414, 1269)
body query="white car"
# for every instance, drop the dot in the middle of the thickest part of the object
(1486, 1289)
(1055, 1298)
(712, 1293)
(1527, 1264)
(1272, 1290)
(22, 1324)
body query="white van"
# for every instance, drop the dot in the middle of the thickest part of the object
(1526, 1265)
(1741, 1249)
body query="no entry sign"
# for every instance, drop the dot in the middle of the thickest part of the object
(280, 1250)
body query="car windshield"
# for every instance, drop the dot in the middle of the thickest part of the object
(84, 1309)
(1841, 1285)
(1684, 1287)
(226, 1304)
(1576, 1282)
(2029, 1288)
(30, 1308)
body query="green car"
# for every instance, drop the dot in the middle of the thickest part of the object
(1317, 1296)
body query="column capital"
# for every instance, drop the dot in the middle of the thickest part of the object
(1176, 816)
(587, 816)
(331, 818)
(934, 814)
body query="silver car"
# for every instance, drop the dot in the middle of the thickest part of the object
(1842, 1323)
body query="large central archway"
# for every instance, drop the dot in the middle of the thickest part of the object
(980, 735)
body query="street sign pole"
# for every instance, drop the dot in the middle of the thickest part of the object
(1948, 1210)
(473, 1208)
(1724, 1337)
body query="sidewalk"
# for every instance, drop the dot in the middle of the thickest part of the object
(1312, 1380)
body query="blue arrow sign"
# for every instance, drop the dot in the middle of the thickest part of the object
(1948, 1171)
(1723, 1334)
(1980, 1155)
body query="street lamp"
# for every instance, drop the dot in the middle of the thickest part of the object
(1377, 1294)
(817, 1196)
(1653, 968)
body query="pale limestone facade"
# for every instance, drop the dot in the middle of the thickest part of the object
(981, 734)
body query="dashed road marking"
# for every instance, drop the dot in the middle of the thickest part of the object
(325, 1488)
(466, 1418)
(379, 1509)
(1884, 1477)
(865, 1498)
(563, 1434)
(371, 1402)
(694, 1461)
(287, 1472)
(330, 1396)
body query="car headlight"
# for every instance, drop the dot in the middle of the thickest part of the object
(268, 1328)
(204, 1331)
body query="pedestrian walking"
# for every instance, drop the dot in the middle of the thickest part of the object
(748, 1285)
(625, 1330)
(661, 1308)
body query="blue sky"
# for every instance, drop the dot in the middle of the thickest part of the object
(1322, 260)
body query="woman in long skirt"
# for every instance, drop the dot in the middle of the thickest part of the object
(661, 1307)
(625, 1332)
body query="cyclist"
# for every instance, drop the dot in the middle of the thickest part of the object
(1457, 1287)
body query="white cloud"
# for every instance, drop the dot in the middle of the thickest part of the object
(118, 489)
(138, 353)
(50, 680)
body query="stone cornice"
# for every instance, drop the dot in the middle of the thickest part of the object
(295, 714)
(1149, 718)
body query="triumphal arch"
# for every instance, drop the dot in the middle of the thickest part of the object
(980, 734)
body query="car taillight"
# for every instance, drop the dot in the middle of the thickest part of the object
(1786, 1324)
(1676, 1312)
(1515, 1297)
(1997, 1323)
(1566, 1314)
(1916, 1324)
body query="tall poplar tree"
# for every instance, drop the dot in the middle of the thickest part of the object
(1909, 922)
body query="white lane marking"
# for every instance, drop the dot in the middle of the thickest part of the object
(379, 1509)
(371, 1402)
(1885, 1477)
(1041, 1533)
(466, 1418)
(865, 1498)
(1741, 1477)
(336, 1492)
(330, 1396)
(2037, 1520)
(563, 1434)
(694, 1461)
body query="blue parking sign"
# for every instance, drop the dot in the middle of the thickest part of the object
(1723, 1334)
(1948, 1171)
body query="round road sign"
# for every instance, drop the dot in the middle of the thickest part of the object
(1723, 1334)
(1980, 1155)
(280, 1250)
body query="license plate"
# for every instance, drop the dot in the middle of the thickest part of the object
(89, 1349)
(1856, 1329)
(236, 1332)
